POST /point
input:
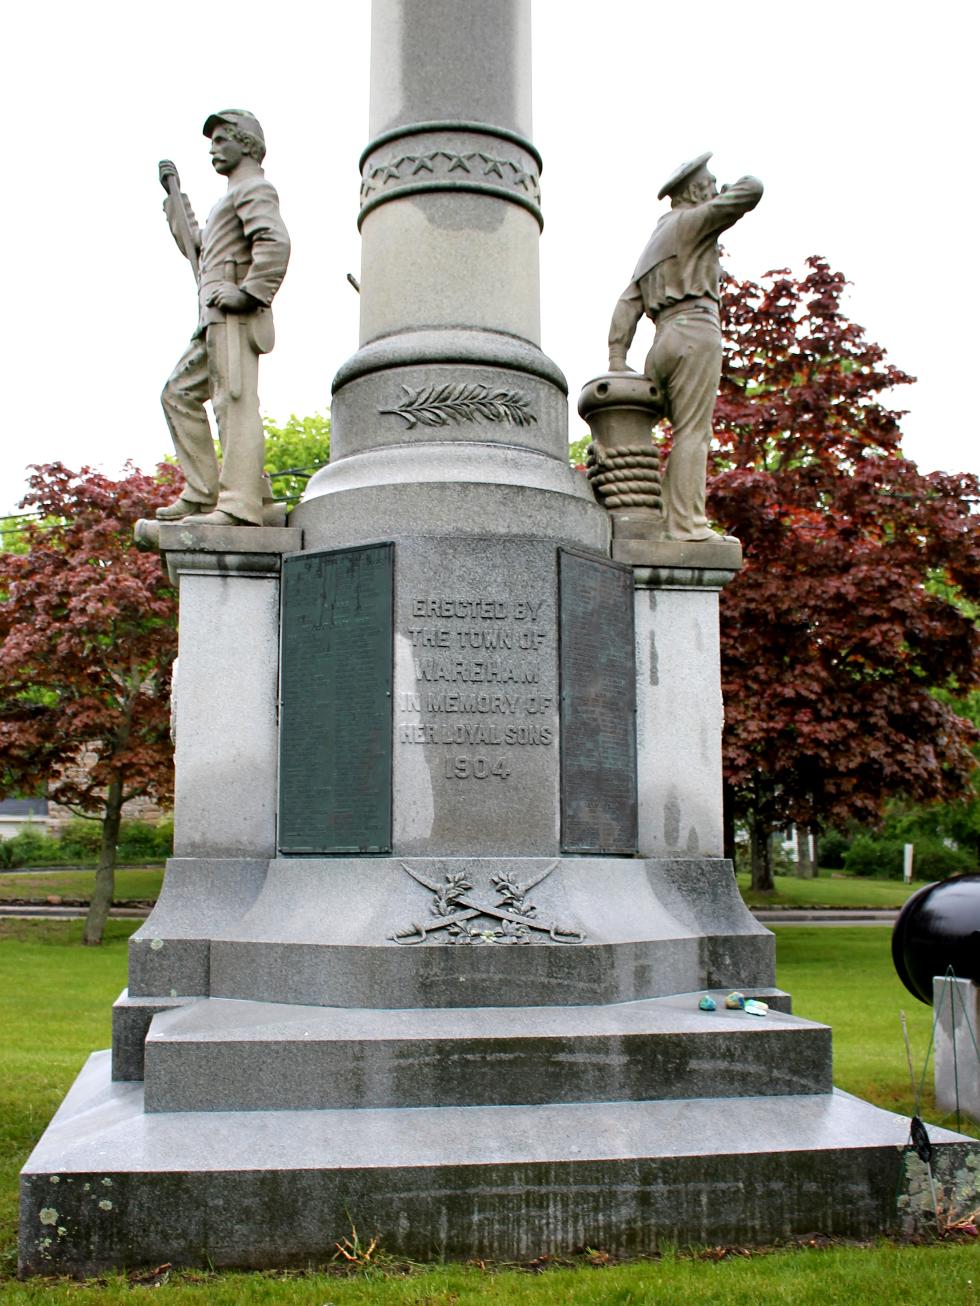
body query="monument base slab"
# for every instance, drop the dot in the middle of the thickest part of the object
(110, 1184)
(222, 1055)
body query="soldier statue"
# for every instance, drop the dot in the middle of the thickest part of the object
(239, 260)
(676, 284)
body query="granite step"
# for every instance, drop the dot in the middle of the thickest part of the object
(227, 1055)
(509, 1182)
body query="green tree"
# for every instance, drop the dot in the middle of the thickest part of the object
(294, 451)
(850, 611)
(12, 537)
(957, 821)
(88, 633)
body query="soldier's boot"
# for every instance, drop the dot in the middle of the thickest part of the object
(181, 508)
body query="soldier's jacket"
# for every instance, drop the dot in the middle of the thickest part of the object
(681, 257)
(245, 226)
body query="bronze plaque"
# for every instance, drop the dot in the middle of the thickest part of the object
(597, 667)
(335, 702)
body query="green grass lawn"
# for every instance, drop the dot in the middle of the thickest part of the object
(132, 884)
(55, 998)
(920, 1276)
(843, 976)
(829, 890)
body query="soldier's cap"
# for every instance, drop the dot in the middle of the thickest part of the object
(684, 173)
(235, 118)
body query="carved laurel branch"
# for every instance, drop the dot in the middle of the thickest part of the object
(441, 405)
(461, 162)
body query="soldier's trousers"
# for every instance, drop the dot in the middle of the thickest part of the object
(200, 375)
(686, 361)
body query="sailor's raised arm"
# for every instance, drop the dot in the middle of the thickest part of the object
(724, 209)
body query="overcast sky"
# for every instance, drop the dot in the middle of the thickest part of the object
(859, 117)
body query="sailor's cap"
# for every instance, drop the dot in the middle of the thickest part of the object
(682, 174)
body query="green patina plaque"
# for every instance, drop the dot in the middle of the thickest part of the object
(597, 668)
(335, 699)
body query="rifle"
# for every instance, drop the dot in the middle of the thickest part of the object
(170, 181)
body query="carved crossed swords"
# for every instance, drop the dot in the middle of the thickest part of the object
(417, 933)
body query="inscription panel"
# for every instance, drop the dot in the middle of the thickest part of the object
(598, 706)
(335, 787)
(476, 697)
(477, 680)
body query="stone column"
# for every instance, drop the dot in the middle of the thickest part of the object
(449, 196)
(449, 419)
(679, 711)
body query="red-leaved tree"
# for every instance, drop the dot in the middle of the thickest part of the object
(845, 617)
(88, 633)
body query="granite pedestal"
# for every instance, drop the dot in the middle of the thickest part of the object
(299, 1047)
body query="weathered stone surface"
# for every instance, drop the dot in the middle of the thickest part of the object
(226, 744)
(239, 259)
(170, 953)
(449, 302)
(679, 721)
(956, 1003)
(438, 259)
(188, 537)
(651, 928)
(243, 1056)
(450, 257)
(476, 698)
(665, 562)
(433, 63)
(451, 403)
(291, 930)
(464, 346)
(406, 493)
(270, 1188)
(428, 159)
(131, 1019)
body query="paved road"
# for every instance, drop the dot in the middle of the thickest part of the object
(826, 916)
(769, 916)
(120, 866)
(44, 911)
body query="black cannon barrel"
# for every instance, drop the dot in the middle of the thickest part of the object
(937, 928)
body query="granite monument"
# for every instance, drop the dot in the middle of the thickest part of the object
(448, 879)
